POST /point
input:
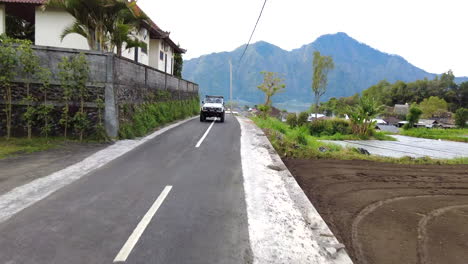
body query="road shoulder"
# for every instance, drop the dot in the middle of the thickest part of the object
(284, 227)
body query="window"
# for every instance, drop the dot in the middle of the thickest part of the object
(161, 55)
(144, 50)
(136, 54)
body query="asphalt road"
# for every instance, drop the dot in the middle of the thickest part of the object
(166, 201)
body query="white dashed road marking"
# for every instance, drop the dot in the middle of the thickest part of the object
(206, 134)
(135, 236)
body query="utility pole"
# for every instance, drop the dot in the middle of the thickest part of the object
(230, 85)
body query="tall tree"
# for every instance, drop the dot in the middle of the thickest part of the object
(433, 106)
(322, 65)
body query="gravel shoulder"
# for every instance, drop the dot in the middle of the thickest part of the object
(19, 170)
(389, 213)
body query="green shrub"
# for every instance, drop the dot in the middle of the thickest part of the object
(302, 118)
(412, 117)
(146, 117)
(291, 120)
(329, 127)
(461, 116)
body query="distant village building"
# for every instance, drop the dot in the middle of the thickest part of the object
(48, 24)
(387, 128)
(427, 123)
(401, 109)
(313, 115)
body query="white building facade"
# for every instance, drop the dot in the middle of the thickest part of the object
(49, 24)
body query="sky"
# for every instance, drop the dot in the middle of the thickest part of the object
(430, 34)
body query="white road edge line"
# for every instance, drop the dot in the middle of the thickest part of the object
(135, 236)
(204, 135)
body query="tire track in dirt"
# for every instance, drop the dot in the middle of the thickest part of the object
(423, 238)
(346, 192)
(357, 246)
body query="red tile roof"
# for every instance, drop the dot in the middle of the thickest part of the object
(39, 2)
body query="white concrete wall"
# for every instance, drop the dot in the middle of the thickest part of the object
(154, 53)
(2, 19)
(50, 25)
(161, 63)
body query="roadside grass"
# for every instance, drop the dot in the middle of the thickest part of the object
(16, 146)
(460, 135)
(145, 118)
(298, 143)
(375, 136)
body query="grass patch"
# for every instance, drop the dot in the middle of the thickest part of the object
(16, 146)
(460, 135)
(298, 143)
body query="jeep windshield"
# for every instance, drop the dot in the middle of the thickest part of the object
(213, 100)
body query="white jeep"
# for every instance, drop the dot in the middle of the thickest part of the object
(212, 106)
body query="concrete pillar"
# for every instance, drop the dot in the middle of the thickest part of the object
(111, 111)
(2, 19)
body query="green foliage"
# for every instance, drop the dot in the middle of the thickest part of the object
(43, 114)
(14, 146)
(66, 82)
(178, 64)
(330, 127)
(297, 143)
(361, 116)
(146, 117)
(264, 110)
(272, 84)
(433, 106)
(8, 64)
(30, 66)
(321, 66)
(291, 120)
(461, 117)
(302, 118)
(459, 135)
(45, 108)
(80, 68)
(101, 134)
(412, 117)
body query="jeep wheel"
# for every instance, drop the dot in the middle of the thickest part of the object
(222, 118)
(202, 118)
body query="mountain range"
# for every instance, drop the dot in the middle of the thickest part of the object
(357, 67)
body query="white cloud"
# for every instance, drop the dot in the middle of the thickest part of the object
(430, 34)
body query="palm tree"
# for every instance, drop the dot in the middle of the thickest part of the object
(106, 24)
(362, 114)
(122, 23)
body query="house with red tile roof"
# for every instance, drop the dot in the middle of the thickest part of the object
(47, 24)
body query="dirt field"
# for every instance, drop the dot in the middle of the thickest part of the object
(388, 213)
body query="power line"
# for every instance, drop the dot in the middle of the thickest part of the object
(253, 31)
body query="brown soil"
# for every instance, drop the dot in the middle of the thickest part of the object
(388, 213)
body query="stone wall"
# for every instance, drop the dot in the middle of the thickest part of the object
(117, 80)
